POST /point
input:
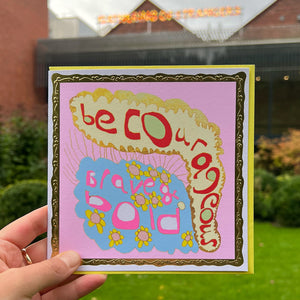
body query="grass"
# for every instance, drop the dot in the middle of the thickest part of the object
(277, 275)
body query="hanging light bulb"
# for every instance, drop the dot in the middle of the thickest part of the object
(286, 77)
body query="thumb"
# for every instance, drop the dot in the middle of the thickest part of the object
(25, 282)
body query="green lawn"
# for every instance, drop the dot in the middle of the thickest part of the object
(277, 275)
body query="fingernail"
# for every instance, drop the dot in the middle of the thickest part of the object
(70, 258)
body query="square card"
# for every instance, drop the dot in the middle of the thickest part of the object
(151, 168)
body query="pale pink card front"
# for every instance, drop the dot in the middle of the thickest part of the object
(94, 170)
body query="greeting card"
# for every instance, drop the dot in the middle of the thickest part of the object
(150, 168)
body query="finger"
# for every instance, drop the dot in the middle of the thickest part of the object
(10, 256)
(27, 281)
(65, 282)
(38, 251)
(24, 230)
(78, 288)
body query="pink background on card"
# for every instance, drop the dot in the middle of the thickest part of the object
(215, 99)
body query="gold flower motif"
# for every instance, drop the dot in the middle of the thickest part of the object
(187, 239)
(143, 236)
(165, 177)
(155, 200)
(115, 238)
(96, 218)
(140, 201)
(153, 173)
(134, 170)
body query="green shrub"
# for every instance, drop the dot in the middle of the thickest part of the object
(265, 185)
(23, 150)
(20, 198)
(287, 202)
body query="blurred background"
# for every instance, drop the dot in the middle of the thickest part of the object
(36, 34)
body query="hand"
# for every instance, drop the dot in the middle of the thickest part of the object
(43, 279)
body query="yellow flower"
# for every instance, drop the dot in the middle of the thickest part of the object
(143, 236)
(96, 218)
(152, 173)
(134, 170)
(187, 239)
(115, 238)
(155, 200)
(140, 201)
(165, 177)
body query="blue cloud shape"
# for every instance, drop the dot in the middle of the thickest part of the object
(163, 221)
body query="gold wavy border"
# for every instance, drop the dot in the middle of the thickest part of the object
(239, 78)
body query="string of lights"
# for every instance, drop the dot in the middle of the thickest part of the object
(163, 16)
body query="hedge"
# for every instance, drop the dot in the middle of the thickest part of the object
(20, 198)
(287, 202)
(265, 185)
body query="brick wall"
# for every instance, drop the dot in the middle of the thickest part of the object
(144, 27)
(21, 24)
(276, 22)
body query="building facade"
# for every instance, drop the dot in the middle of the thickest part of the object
(22, 24)
(268, 42)
(271, 41)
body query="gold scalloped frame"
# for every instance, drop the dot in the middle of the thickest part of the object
(239, 78)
